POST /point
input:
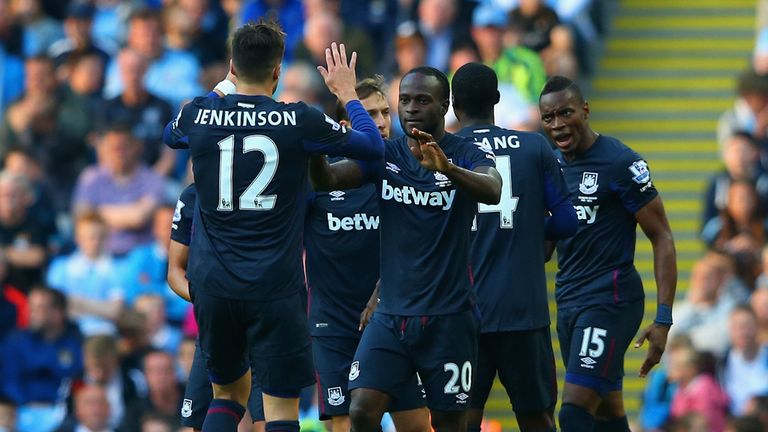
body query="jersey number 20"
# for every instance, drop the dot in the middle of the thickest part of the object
(252, 198)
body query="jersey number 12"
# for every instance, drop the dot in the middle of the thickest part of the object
(508, 204)
(252, 198)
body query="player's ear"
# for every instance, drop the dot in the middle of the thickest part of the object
(586, 110)
(497, 98)
(232, 67)
(276, 71)
(445, 106)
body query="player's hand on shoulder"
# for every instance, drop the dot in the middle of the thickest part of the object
(428, 152)
(339, 75)
(656, 335)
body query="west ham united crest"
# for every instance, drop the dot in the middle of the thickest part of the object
(335, 396)
(588, 184)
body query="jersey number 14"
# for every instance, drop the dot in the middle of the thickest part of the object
(252, 198)
(508, 203)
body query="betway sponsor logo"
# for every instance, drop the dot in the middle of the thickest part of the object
(358, 222)
(587, 213)
(409, 195)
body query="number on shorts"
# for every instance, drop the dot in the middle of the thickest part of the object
(593, 336)
(252, 198)
(465, 374)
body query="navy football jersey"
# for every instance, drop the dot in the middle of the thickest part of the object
(507, 252)
(341, 239)
(425, 224)
(608, 184)
(181, 227)
(249, 156)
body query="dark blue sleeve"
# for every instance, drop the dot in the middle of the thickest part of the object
(181, 228)
(563, 222)
(475, 154)
(325, 135)
(173, 133)
(631, 179)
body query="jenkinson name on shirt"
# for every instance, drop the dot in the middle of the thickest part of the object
(225, 118)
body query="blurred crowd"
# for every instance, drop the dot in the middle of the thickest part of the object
(91, 338)
(714, 375)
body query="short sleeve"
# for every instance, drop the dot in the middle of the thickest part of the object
(475, 154)
(181, 227)
(631, 178)
(322, 134)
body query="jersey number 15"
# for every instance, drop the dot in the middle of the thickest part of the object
(252, 198)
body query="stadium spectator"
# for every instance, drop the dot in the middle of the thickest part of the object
(436, 24)
(758, 407)
(698, 392)
(103, 368)
(32, 122)
(514, 64)
(146, 267)
(209, 30)
(89, 276)
(558, 57)
(759, 304)
(11, 32)
(80, 99)
(92, 411)
(162, 335)
(14, 307)
(77, 40)
(153, 422)
(165, 66)
(164, 394)
(745, 424)
(24, 235)
(8, 415)
(183, 33)
(741, 156)
(121, 189)
(750, 110)
(301, 82)
(703, 314)
(109, 22)
(41, 361)
(742, 223)
(536, 21)
(289, 13)
(146, 112)
(40, 30)
(184, 358)
(21, 161)
(745, 367)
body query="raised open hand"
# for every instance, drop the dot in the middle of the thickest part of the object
(427, 152)
(339, 75)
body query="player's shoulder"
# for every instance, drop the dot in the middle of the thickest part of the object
(189, 194)
(615, 149)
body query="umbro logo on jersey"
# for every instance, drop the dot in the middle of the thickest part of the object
(588, 362)
(409, 195)
(336, 195)
(588, 184)
(392, 167)
(462, 398)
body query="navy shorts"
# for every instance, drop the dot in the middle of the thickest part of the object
(525, 363)
(593, 341)
(199, 393)
(274, 334)
(333, 358)
(441, 348)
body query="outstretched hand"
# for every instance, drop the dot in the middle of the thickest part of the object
(656, 335)
(427, 152)
(339, 75)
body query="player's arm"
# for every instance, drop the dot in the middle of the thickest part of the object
(365, 142)
(562, 222)
(653, 221)
(178, 255)
(344, 174)
(483, 182)
(370, 307)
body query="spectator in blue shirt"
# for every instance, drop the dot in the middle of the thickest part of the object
(173, 75)
(90, 278)
(41, 361)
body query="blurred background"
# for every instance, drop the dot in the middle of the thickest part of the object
(90, 334)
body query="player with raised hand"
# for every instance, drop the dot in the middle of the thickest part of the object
(249, 157)
(599, 292)
(341, 239)
(508, 257)
(428, 185)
